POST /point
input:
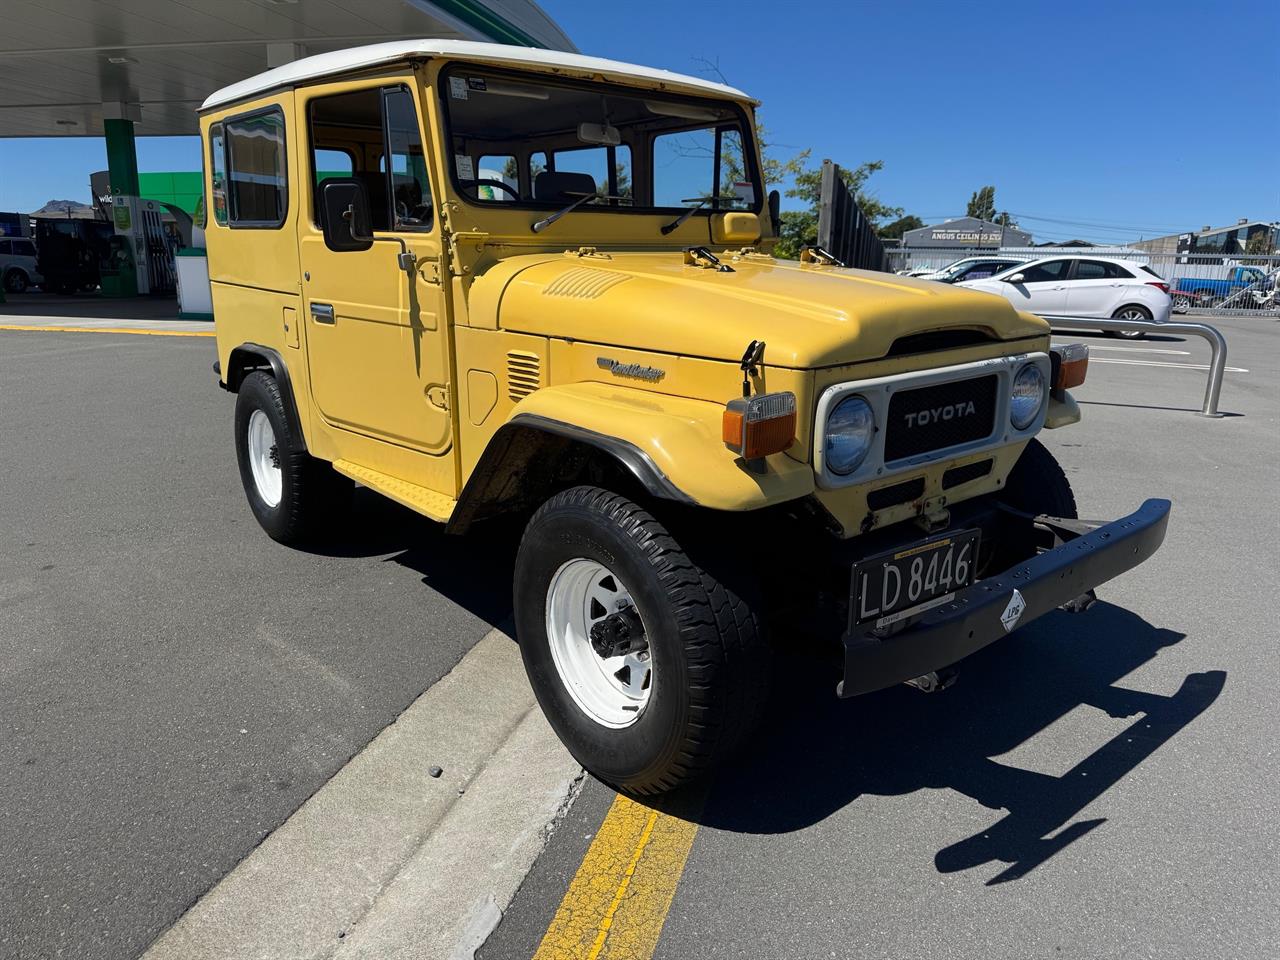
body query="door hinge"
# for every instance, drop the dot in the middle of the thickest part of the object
(438, 396)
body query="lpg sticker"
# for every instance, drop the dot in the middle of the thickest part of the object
(1013, 611)
(458, 88)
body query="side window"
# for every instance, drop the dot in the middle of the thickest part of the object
(24, 248)
(218, 164)
(494, 169)
(6, 247)
(350, 134)
(410, 189)
(1092, 270)
(256, 163)
(1043, 272)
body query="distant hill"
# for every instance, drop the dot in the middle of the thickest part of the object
(65, 208)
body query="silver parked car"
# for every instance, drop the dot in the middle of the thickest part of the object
(18, 264)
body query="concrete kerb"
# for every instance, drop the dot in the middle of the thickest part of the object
(386, 860)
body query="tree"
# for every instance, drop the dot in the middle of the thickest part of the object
(799, 228)
(982, 204)
(1006, 220)
(895, 230)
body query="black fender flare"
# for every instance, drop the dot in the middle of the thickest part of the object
(514, 445)
(248, 357)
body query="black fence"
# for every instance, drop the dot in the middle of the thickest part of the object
(843, 229)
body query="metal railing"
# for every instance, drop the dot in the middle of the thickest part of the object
(1217, 346)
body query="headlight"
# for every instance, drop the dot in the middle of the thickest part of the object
(850, 427)
(1027, 398)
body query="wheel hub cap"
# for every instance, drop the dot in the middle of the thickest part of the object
(598, 643)
(264, 459)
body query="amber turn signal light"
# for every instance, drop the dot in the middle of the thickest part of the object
(1070, 363)
(758, 426)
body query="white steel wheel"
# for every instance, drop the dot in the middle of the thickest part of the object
(597, 643)
(264, 458)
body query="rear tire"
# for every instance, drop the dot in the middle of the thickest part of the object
(296, 498)
(707, 661)
(1038, 484)
(1131, 312)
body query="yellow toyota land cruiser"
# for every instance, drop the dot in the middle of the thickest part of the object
(485, 280)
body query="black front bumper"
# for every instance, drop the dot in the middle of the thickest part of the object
(973, 619)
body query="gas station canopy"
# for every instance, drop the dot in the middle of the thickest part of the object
(66, 65)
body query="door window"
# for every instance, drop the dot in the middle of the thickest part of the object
(24, 248)
(350, 136)
(1045, 272)
(1099, 270)
(256, 166)
(6, 247)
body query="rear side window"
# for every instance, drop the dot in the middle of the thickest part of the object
(24, 248)
(258, 188)
(1152, 272)
(6, 247)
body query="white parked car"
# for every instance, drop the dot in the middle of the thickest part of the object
(970, 268)
(18, 264)
(1083, 286)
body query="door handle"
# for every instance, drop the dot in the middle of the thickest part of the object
(322, 312)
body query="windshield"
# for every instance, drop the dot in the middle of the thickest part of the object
(519, 141)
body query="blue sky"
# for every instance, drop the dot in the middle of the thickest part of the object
(1103, 120)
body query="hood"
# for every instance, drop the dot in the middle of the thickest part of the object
(808, 316)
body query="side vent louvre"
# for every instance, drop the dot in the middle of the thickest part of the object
(524, 374)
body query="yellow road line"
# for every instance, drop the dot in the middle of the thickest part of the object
(618, 901)
(145, 333)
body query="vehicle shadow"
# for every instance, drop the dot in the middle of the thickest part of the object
(818, 754)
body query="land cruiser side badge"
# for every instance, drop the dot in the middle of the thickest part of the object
(1013, 611)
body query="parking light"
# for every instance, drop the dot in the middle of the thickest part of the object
(758, 426)
(1070, 364)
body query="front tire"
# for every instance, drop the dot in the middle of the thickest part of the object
(1038, 484)
(294, 497)
(645, 720)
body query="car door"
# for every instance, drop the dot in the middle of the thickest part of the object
(1093, 289)
(1042, 287)
(377, 336)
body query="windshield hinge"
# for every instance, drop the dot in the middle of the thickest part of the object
(702, 257)
(438, 396)
(817, 255)
(591, 252)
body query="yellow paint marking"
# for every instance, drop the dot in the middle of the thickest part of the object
(145, 333)
(618, 901)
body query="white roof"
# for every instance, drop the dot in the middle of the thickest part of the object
(357, 58)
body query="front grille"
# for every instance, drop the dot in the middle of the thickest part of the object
(940, 416)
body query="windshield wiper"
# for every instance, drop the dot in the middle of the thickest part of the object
(540, 225)
(698, 204)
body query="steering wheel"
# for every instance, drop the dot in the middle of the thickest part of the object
(475, 184)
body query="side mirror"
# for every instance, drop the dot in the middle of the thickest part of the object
(344, 206)
(775, 212)
(1016, 278)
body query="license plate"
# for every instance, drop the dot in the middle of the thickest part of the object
(897, 585)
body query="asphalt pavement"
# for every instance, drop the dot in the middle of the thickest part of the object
(173, 684)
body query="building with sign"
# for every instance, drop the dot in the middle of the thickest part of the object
(967, 233)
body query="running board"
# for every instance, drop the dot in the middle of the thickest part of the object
(427, 502)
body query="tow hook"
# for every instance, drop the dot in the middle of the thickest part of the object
(618, 634)
(935, 680)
